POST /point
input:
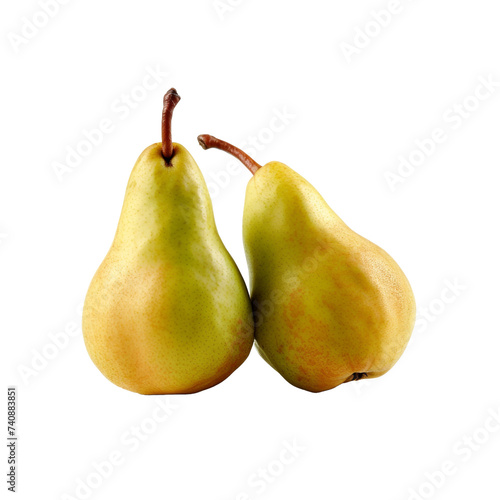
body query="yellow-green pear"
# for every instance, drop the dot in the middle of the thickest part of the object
(329, 306)
(167, 311)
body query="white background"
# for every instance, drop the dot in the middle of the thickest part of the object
(380, 439)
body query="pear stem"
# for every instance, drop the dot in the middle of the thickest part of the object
(208, 141)
(169, 103)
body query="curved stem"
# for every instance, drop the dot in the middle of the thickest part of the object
(169, 102)
(208, 141)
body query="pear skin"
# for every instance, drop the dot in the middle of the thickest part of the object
(329, 306)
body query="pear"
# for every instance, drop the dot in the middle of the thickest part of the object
(329, 306)
(167, 311)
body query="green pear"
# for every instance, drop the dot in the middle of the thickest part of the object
(167, 311)
(329, 306)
